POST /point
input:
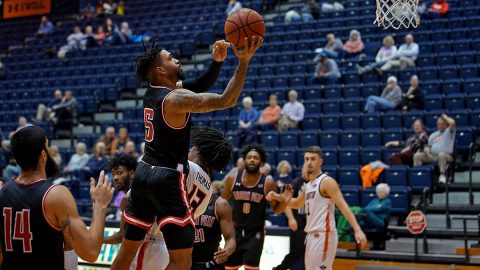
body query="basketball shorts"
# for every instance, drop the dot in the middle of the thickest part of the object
(71, 260)
(207, 266)
(159, 193)
(249, 250)
(320, 250)
(152, 255)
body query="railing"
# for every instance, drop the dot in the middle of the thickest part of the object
(465, 235)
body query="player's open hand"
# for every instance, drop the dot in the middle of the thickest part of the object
(250, 48)
(102, 192)
(361, 239)
(287, 194)
(220, 50)
(220, 256)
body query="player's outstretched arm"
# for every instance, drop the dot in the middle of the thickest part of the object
(117, 237)
(224, 214)
(203, 82)
(228, 185)
(299, 202)
(183, 101)
(278, 202)
(330, 187)
(61, 212)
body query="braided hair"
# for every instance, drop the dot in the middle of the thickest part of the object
(215, 150)
(146, 61)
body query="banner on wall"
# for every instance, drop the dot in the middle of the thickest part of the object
(274, 249)
(23, 8)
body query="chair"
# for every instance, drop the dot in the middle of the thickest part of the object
(312, 94)
(463, 138)
(420, 177)
(445, 59)
(329, 138)
(469, 71)
(330, 121)
(311, 123)
(288, 139)
(393, 134)
(349, 156)
(370, 154)
(351, 105)
(350, 137)
(351, 194)
(392, 119)
(460, 116)
(270, 139)
(351, 121)
(352, 91)
(396, 176)
(312, 106)
(452, 86)
(433, 102)
(332, 106)
(473, 101)
(455, 101)
(400, 197)
(448, 72)
(349, 175)
(330, 156)
(475, 118)
(471, 85)
(308, 138)
(288, 154)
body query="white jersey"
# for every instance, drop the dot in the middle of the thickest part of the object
(320, 210)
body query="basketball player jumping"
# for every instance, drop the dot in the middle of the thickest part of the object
(38, 217)
(319, 198)
(249, 189)
(159, 190)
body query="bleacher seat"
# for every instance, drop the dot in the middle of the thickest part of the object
(396, 176)
(330, 121)
(349, 156)
(351, 194)
(270, 139)
(370, 154)
(330, 156)
(329, 138)
(308, 138)
(288, 139)
(420, 177)
(349, 175)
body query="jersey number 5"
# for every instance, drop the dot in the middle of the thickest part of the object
(147, 119)
(196, 197)
(21, 230)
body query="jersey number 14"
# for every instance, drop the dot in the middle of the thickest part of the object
(21, 230)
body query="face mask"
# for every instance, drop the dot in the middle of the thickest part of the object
(51, 168)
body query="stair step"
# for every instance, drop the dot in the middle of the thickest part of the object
(122, 104)
(104, 116)
(456, 197)
(83, 130)
(435, 246)
(62, 143)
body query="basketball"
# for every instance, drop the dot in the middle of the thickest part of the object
(243, 23)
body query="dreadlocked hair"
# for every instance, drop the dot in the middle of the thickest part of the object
(254, 147)
(145, 62)
(127, 161)
(215, 150)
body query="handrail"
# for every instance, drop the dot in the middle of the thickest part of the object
(465, 236)
(425, 193)
(471, 158)
(447, 206)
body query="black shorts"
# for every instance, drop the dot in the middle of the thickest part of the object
(161, 193)
(207, 266)
(249, 249)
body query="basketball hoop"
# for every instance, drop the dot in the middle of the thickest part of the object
(397, 13)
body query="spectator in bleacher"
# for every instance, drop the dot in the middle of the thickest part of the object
(55, 154)
(437, 9)
(292, 15)
(390, 98)
(387, 52)
(377, 212)
(111, 30)
(109, 7)
(12, 169)
(265, 169)
(74, 42)
(326, 72)
(292, 112)
(77, 160)
(413, 98)
(108, 139)
(66, 111)
(332, 6)
(119, 143)
(239, 165)
(284, 171)
(99, 37)
(97, 163)
(310, 11)
(2, 70)
(406, 55)
(99, 8)
(333, 48)
(422, 7)
(232, 6)
(124, 34)
(414, 144)
(47, 112)
(246, 122)
(89, 38)
(270, 115)
(46, 27)
(22, 122)
(131, 150)
(440, 146)
(87, 11)
(121, 8)
(354, 45)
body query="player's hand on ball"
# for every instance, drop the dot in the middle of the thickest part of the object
(220, 50)
(102, 192)
(361, 238)
(250, 48)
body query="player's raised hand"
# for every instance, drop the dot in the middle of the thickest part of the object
(220, 50)
(102, 192)
(250, 48)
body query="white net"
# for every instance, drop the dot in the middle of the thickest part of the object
(397, 13)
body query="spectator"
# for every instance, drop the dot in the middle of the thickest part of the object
(55, 155)
(440, 146)
(88, 39)
(406, 55)
(284, 170)
(78, 160)
(46, 27)
(99, 37)
(2, 70)
(386, 53)
(66, 111)
(247, 119)
(108, 139)
(332, 6)
(121, 8)
(437, 9)
(265, 169)
(354, 45)
(326, 71)
(333, 48)
(88, 11)
(413, 98)
(124, 34)
(414, 144)
(239, 165)
(48, 112)
(270, 115)
(130, 149)
(109, 7)
(292, 112)
(22, 122)
(422, 7)
(232, 6)
(390, 98)
(111, 31)
(12, 169)
(310, 11)
(119, 143)
(74, 42)
(99, 8)
(97, 162)
(377, 213)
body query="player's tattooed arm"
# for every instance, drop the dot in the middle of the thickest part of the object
(66, 229)
(117, 237)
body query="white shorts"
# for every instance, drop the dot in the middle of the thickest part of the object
(71, 260)
(152, 255)
(320, 250)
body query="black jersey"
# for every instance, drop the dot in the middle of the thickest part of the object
(166, 144)
(208, 233)
(28, 241)
(249, 207)
(298, 184)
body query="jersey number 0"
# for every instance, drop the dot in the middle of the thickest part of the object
(21, 230)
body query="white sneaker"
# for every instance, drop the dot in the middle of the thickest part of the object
(442, 179)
